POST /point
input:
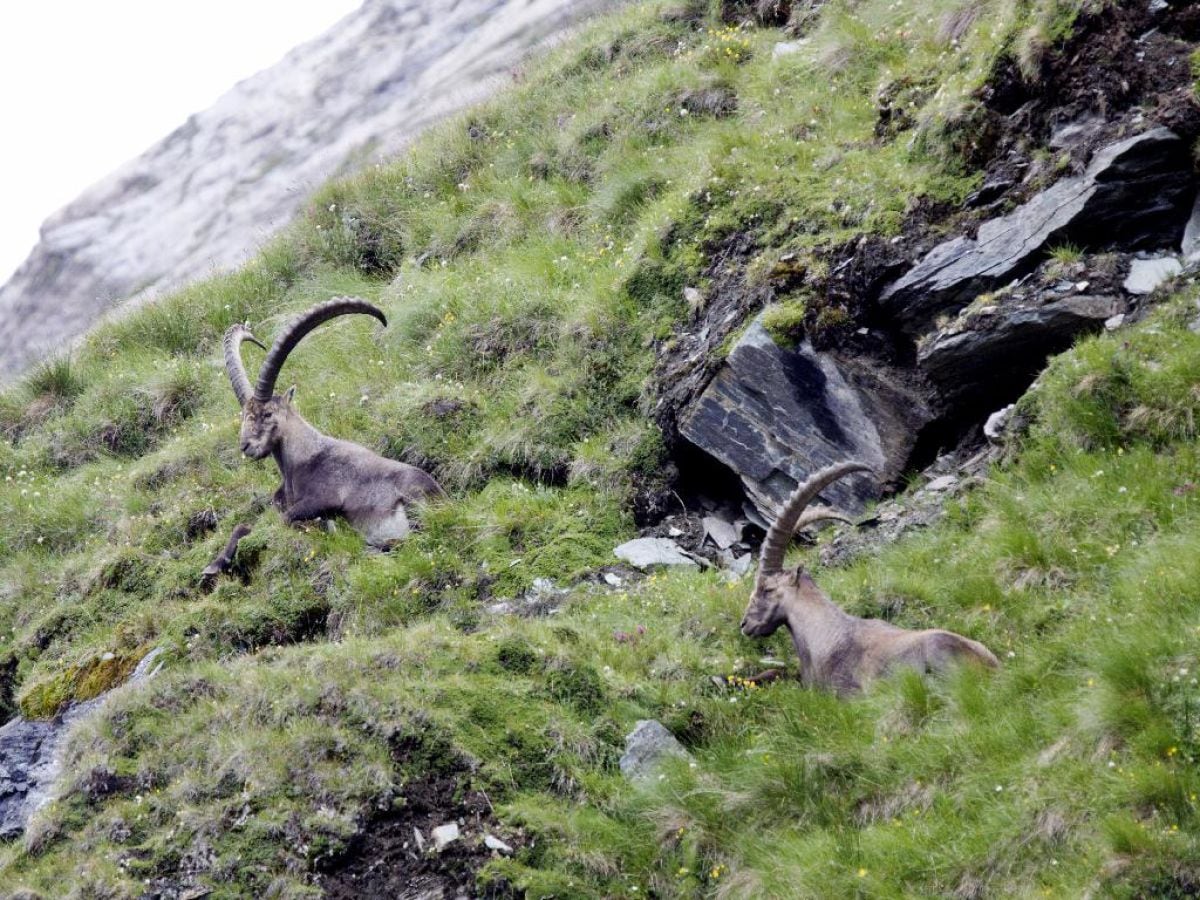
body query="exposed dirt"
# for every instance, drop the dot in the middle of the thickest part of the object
(387, 862)
(1121, 63)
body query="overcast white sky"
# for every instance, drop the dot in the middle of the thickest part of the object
(87, 84)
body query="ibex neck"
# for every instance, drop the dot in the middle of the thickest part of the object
(299, 443)
(818, 627)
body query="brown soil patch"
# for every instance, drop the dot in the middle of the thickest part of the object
(386, 860)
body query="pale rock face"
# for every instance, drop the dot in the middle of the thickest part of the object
(205, 198)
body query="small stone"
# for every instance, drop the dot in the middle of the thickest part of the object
(786, 48)
(646, 747)
(444, 835)
(722, 532)
(643, 553)
(735, 565)
(993, 428)
(1147, 274)
(420, 840)
(494, 843)
(1115, 322)
(695, 299)
(675, 532)
(1075, 131)
(612, 580)
(943, 483)
(1157, 6)
(544, 587)
(1082, 286)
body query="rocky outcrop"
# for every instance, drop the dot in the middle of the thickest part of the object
(962, 333)
(993, 354)
(205, 197)
(773, 415)
(31, 755)
(1135, 193)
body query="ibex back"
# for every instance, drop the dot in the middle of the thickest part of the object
(322, 476)
(838, 650)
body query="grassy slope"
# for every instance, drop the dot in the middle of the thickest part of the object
(527, 255)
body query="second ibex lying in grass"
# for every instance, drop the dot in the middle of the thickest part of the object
(838, 650)
(322, 476)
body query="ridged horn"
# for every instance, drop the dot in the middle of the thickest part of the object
(780, 533)
(821, 514)
(234, 367)
(295, 332)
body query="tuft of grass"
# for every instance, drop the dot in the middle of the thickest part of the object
(1066, 254)
(785, 322)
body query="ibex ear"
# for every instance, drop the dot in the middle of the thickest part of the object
(290, 395)
(797, 574)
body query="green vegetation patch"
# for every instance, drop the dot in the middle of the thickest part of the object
(84, 681)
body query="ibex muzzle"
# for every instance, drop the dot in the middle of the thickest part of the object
(837, 650)
(322, 476)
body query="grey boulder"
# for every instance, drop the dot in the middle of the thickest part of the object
(647, 552)
(1145, 275)
(647, 747)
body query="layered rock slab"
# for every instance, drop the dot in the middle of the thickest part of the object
(775, 415)
(994, 355)
(1135, 193)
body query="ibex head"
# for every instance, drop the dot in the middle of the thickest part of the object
(775, 588)
(264, 422)
(265, 414)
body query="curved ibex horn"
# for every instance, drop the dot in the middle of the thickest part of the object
(234, 366)
(780, 534)
(295, 332)
(821, 514)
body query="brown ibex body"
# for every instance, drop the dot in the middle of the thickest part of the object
(322, 476)
(838, 650)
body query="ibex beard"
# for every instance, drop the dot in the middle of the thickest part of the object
(322, 476)
(837, 650)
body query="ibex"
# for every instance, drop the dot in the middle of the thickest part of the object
(322, 476)
(838, 650)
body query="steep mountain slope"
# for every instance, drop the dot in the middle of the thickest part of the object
(209, 194)
(566, 270)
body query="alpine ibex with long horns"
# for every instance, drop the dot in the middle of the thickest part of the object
(838, 650)
(322, 476)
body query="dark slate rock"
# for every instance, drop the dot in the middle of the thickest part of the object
(31, 753)
(1135, 193)
(775, 415)
(23, 751)
(994, 356)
